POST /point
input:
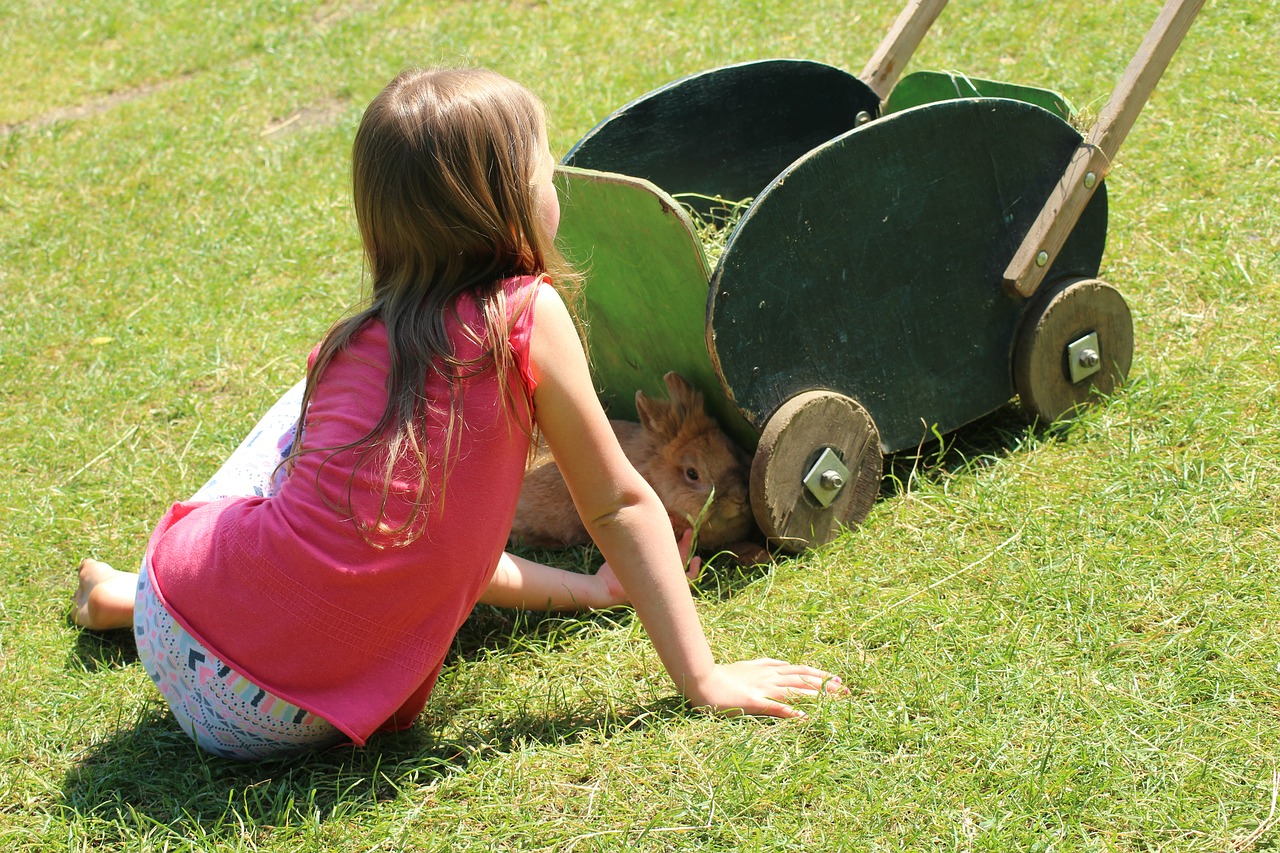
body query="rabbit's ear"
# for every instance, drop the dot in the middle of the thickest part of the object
(658, 417)
(687, 400)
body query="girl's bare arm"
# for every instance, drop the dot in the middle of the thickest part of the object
(630, 526)
(525, 585)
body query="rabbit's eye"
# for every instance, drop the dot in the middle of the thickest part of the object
(691, 474)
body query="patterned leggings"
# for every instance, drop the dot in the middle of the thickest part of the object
(225, 712)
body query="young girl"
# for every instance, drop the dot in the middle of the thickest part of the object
(298, 610)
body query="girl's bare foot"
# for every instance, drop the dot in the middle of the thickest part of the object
(104, 598)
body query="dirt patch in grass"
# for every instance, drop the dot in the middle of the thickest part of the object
(336, 11)
(323, 114)
(91, 108)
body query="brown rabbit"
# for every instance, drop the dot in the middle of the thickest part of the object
(683, 454)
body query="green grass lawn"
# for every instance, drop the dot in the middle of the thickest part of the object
(1062, 639)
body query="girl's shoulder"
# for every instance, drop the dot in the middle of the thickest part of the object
(521, 295)
(517, 295)
(480, 320)
(522, 291)
(525, 283)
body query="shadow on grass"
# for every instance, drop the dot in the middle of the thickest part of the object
(969, 449)
(153, 776)
(149, 778)
(101, 650)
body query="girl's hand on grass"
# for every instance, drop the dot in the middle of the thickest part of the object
(612, 593)
(763, 687)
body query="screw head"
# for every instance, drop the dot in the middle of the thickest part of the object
(1090, 179)
(1088, 358)
(1042, 259)
(832, 480)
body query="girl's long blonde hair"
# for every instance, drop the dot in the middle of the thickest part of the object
(443, 173)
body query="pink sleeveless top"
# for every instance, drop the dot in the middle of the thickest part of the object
(286, 590)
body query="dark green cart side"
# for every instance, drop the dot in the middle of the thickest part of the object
(728, 131)
(872, 267)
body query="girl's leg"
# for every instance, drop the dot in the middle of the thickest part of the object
(252, 469)
(104, 598)
(223, 711)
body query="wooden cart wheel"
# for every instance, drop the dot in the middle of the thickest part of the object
(1074, 343)
(817, 468)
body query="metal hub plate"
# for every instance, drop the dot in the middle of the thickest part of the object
(1084, 357)
(827, 477)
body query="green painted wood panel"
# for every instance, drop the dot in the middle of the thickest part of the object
(872, 267)
(645, 293)
(927, 87)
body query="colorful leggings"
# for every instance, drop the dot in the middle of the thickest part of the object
(225, 712)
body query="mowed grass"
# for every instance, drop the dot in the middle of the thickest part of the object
(1056, 639)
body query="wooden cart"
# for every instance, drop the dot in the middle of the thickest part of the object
(914, 254)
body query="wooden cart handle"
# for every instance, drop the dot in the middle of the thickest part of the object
(895, 51)
(1092, 159)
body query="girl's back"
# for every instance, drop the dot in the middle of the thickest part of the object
(306, 591)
